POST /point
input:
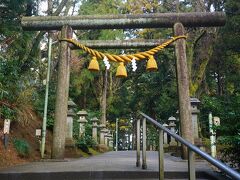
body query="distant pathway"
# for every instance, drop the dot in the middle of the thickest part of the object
(110, 161)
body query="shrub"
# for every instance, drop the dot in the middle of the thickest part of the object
(81, 144)
(85, 142)
(22, 147)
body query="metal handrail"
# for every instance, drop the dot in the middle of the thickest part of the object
(232, 173)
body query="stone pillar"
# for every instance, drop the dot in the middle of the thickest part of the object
(94, 129)
(82, 122)
(58, 144)
(106, 139)
(110, 142)
(110, 138)
(183, 88)
(165, 136)
(69, 130)
(102, 133)
(106, 136)
(172, 127)
(195, 111)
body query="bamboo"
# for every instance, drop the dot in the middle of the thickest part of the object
(46, 97)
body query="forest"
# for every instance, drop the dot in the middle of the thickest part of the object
(213, 57)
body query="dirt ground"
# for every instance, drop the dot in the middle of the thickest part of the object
(26, 131)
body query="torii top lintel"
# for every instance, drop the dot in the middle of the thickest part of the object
(156, 20)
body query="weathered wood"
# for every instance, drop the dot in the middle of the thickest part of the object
(61, 97)
(138, 143)
(161, 156)
(144, 144)
(121, 44)
(157, 20)
(183, 88)
(191, 165)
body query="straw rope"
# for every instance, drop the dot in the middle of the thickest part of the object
(123, 58)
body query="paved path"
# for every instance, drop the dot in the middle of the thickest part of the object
(121, 161)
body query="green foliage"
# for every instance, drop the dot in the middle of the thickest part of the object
(85, 142)
(40, 101)
(7, 113)
(22, 147)
(230, 150)
(228, 109)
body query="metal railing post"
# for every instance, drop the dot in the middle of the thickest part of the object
(144, 129)
(191, 150)
(191, 165)
(138, 143)
(161, 155)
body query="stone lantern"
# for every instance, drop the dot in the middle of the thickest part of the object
(110, 140)
(107, 136)
(94, 128)
(82, 122)
(172, 126)
(103, 131)
(195, 112)
(69, 128)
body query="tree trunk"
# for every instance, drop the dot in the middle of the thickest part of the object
(183, 88)
(61, 97)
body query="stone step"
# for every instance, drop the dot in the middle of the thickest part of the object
(101, 175)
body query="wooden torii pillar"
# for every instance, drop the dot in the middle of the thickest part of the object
(159, 20)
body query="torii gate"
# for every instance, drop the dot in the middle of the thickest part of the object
(177, 21)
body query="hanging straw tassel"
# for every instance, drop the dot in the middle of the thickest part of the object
(121, 71)
(93, 65)
(151, 64)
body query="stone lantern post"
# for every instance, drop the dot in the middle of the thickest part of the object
(195, 112)
(110, 140)
(82, 122)
(172, 127)
(103, 131)
(94, 129)
(69, 128)
(107, 137)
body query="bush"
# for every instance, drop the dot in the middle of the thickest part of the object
(85, 142)
(230, 152)
(81, 144)
(22, 147)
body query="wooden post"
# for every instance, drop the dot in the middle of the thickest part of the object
(58, 146)
(183, 88)
(144, 144)
(138, 143)
(191, 165)
(161, 156)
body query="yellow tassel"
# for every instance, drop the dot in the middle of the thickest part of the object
(93, 65)
(152, 64)
(121, 71)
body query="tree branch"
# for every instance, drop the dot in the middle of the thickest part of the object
(39, 36)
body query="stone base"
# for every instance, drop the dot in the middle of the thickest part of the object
(198, 142)
(173, 143)
(71, 152)
(102, 148)
(165, 145)
(69, 143)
